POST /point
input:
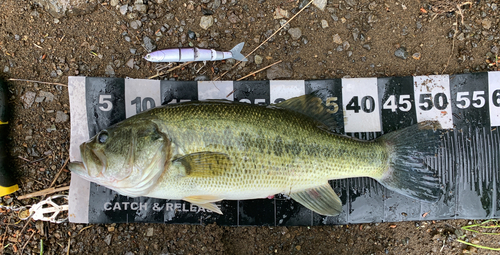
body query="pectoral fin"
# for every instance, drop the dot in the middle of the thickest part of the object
(322, 200)
(204, 164)
(206, 202)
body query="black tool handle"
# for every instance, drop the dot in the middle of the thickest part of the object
(7, 181)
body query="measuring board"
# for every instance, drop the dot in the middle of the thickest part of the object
(467, 105)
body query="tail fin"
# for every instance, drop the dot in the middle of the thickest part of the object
(408, 174)
(236, 51)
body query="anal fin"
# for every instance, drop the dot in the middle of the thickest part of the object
(206, 202)
(322, 200)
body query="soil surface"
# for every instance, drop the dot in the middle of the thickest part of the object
(351, 38)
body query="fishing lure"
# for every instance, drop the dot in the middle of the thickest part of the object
(195, 54)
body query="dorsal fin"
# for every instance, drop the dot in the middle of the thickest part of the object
(311, 106)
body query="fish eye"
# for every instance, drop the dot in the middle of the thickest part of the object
(148, 56)
(103, 136)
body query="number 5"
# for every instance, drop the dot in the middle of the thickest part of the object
(464, 101)
(105, 100)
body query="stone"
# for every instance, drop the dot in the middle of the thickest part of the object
(336, 39)
(61, 8)
(150, 232)
(281, 70)
(39, 99)
(486, 23)
(107, 240)
(401, 53)
(346, 45)
(324, 23)
(49, 97)
(28, 99)
(124, 9)
(351, 2)
(281, 14)
(135, 24)
(109, 71)
(258, 59)
(320, 4)
(233, 18)
(114, 2)
(61, 117)
(130, 63)
(148, 44)
(201, 78)
(295, 33)
(206, 22)
(142, 8)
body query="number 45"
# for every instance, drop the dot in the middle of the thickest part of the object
(404, 103)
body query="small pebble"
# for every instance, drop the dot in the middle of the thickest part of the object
(61, 117)
(336, 39)
(206, 22)
(258, 59)
(123, 9)
(135, 24)
(130, 63)
(324, 23)
(150, 232)
(109, 71)
(107, 240)
(148, 44)
(295, 32)
(401, 53)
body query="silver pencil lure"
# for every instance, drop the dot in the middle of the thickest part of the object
(195, 54)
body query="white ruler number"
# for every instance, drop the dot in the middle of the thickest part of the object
(404, 104)
(105, 102)
(464, 100)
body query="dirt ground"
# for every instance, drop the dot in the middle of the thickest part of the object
(360, 39)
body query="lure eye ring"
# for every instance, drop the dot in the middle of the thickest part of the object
(102, 137)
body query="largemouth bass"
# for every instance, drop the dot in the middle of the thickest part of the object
(204, 152)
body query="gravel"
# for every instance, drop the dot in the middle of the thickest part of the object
(401, 53)
(148, 44)
(206, 22)
(295, 33)
(336, 39)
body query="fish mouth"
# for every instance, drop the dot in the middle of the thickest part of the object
(78, 168)
(93, 162)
